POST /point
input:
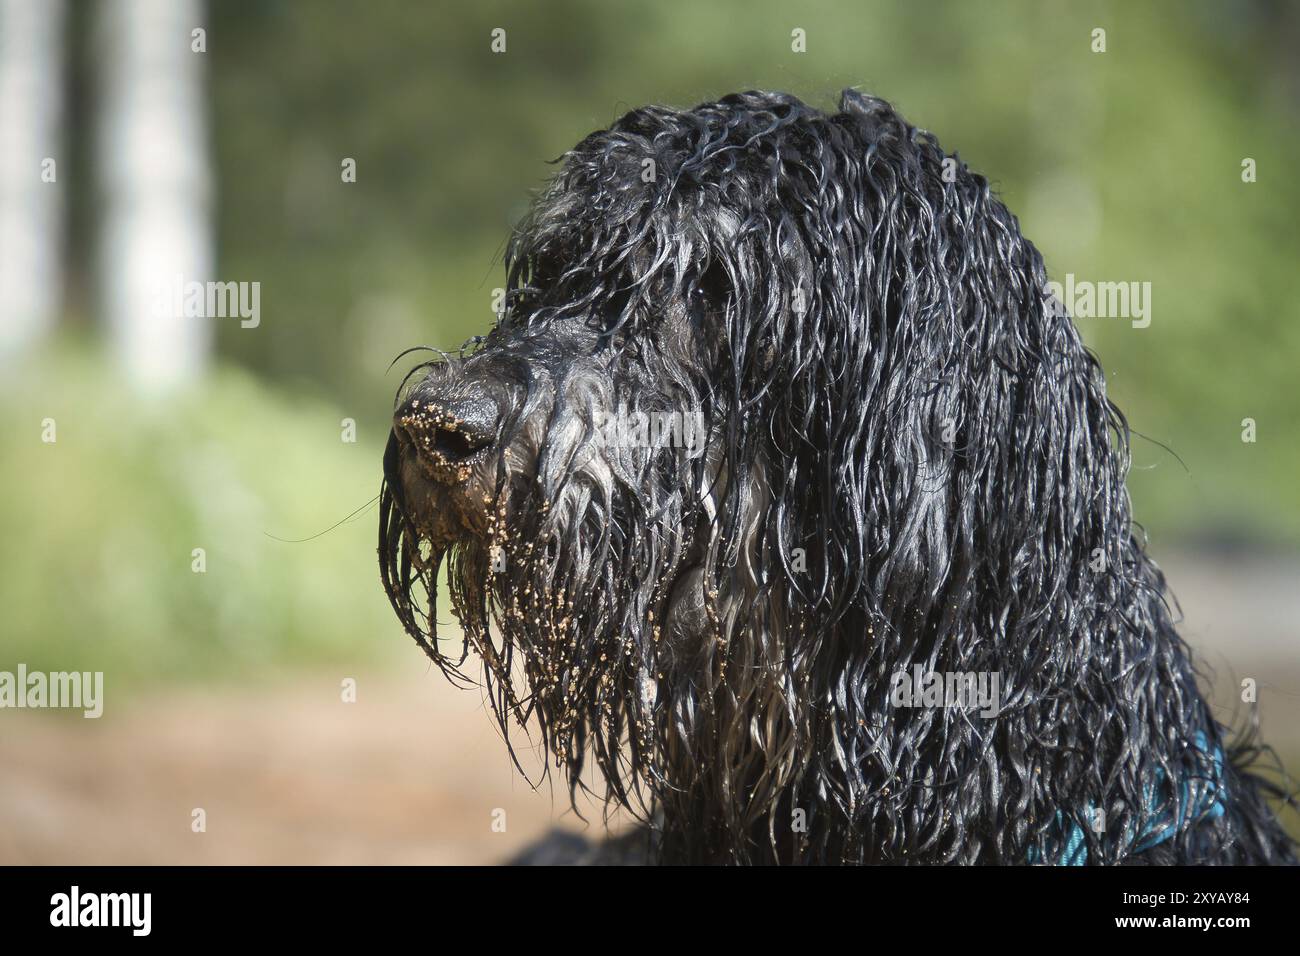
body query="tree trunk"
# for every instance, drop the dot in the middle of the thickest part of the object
(32, 167)
(156, 184)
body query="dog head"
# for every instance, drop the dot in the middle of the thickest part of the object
(775, 407)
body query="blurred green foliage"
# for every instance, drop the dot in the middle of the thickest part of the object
(101, 524)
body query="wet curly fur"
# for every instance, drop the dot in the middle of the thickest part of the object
(909, 459)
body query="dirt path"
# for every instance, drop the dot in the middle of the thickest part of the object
(410, 773)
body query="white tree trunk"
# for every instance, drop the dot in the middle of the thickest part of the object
(156, 185)
(31, 109)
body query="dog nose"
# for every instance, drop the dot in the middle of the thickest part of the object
(446, 434)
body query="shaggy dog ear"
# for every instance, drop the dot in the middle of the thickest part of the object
(937, 462)
(941, 428)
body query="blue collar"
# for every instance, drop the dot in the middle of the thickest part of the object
(1199, 799)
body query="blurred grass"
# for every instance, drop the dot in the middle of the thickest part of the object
(100, 525)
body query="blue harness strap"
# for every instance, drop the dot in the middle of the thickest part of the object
(1199, 800)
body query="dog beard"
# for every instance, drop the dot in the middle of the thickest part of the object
(563, 576)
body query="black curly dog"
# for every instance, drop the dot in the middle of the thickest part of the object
(785, 493)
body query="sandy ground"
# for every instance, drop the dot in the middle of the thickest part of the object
(413, 771)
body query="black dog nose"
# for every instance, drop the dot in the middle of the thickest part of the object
(447, 434)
